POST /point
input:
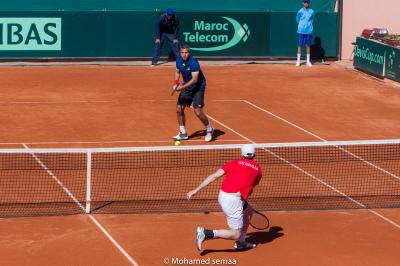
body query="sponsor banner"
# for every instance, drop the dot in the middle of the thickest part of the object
(226, 33)
(370, 56)
(30, 34)
(96, 34)
(393, 63)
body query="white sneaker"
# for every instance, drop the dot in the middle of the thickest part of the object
(200, 237)
(309, 64)
(180, 136)
(209, 136)
(297, 63)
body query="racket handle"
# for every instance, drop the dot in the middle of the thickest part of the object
(174, 90)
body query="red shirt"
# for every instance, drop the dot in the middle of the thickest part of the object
(241, 175)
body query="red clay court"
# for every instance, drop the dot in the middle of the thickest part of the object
(130, 106)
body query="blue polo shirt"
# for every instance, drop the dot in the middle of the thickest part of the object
(186, 69)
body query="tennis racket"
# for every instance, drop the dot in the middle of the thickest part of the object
(259, 221)
(174, 89)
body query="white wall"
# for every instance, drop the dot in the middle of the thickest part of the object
(367, 14)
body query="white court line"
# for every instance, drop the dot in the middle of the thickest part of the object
(77, 102)
(310, 175)
(53, 102)
(55, 178)
(284, 120)
(107, 234)
(69, 193)
(324, 140)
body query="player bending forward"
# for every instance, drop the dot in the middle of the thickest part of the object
(191, 92)
(241, 176)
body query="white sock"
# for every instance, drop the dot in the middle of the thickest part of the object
(308, 58)
(298, 57)
(242, 238)
(215, 233)
(209, 128)
(182, 129)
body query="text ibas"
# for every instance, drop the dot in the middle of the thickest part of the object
(30, 34)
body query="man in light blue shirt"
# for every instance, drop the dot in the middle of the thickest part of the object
(305, 19)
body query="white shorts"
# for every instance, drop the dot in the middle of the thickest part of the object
(232, 206)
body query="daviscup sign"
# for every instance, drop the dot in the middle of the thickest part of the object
(369, 56)
(30, 34)
(225, 34)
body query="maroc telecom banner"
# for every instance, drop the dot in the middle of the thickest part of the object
(226, 34)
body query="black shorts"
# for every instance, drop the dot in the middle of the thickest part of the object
(189, 96)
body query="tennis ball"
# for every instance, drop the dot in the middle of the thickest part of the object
(177, 143)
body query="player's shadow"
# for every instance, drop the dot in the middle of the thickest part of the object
(317, 51)
(258, 237)
(201, 133)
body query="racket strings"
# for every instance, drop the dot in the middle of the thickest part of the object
(259, 221)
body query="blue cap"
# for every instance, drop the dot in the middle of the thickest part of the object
(170, 11)
(306, 1)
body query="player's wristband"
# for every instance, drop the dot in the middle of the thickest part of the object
(175, 82)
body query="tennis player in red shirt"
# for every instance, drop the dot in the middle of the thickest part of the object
(241, 176)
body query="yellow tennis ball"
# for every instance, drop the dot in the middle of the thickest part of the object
(177, 143)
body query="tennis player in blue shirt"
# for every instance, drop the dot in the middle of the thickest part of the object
(305, 19)
(191, 92)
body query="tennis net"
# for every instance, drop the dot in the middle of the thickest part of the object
(297, 176)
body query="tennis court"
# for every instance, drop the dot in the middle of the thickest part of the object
(138, 212)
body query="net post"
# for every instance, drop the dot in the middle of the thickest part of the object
(88, 179)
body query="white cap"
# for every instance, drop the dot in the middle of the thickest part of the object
(248, 150)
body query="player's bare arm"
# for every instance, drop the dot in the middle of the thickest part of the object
(195, 76)
(176, 80)
(211, 178)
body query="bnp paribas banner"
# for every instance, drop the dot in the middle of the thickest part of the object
(30, 34)
(370, 56)
(226, 34)
(393, 63)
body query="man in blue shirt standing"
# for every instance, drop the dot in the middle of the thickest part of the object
(191, 91)
(305, 19)
(167, 29)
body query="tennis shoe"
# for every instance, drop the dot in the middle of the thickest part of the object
(309, 64)
(209, 136)
(298, 63)
(244, 245)
(180, 136)
(200, 237)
